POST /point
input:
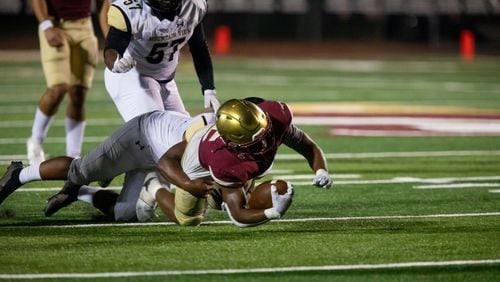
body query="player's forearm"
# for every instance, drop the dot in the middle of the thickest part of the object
(310, 151)
(110, 56)
(172, 171)
(201, 58)
(318, 159)
(242, 217)
(40, 10)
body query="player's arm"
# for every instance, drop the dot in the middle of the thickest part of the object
(54, 36)
(117, 41)
(169, 166)
(235, 204)
(303, 144)
(203, 65)
(103, 15)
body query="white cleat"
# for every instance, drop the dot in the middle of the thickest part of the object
(35, 152)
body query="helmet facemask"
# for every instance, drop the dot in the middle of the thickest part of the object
(262, 143)
(165, 9)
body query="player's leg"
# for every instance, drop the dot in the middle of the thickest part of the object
(117, 154)
(133, 94)
(166, 202)
(83, 56)
(172, 100)
(189, 210)
(102, 199)
(74, 123)
(55, 63)
(124, 210)
(17, 175)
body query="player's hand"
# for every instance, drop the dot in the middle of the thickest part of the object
(322, 179)
(281, 203)
(200, 188)
(55, 37)
(211, 100)
(123, 64)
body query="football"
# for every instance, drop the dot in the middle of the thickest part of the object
(260, 197)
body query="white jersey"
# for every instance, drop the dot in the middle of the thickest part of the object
(190, 162)
(163, 129)
(155, 44)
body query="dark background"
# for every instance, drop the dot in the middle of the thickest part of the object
(347, 24)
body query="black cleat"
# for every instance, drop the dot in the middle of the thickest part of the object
(67, 195)
(10, 180)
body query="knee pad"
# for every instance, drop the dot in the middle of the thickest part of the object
(188, 220)
(189, 210)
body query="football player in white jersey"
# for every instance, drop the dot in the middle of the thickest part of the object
(135, 146)
(142, 54)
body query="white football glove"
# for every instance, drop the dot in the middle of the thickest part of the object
(123, 64)
(322, 179)
(211, 100)
(281, 203)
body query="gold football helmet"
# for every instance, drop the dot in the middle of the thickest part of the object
(244, 126)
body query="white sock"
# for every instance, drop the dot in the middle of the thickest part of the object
(74, 137)
(30, 173)
(86, 194)
(41, 125)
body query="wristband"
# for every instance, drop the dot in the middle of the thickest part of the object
(209, 92)
(271, 213)
(46, 24)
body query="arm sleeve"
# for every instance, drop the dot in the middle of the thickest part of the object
(119, 34)
(117, 40)
(201, 58)
(293, 135)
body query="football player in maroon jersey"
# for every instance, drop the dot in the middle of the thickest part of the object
(69, 51)
(226, 157)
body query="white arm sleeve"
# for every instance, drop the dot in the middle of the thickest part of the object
(239, 224)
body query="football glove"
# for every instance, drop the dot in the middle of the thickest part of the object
(281, 203)
(211, 100)
(123, 64)
(322, 179)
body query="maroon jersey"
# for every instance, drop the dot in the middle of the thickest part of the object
(229, 168)
(69, 9)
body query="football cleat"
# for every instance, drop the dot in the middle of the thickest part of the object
(10, 180)
(146, 204)
(36, 154)
(67, 195)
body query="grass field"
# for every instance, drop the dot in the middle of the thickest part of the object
(406, 208)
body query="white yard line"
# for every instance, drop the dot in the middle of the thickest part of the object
(396, 154)
(396, 180)
(222, 222)
(457, 185)
(397, 265)
(415, 154)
